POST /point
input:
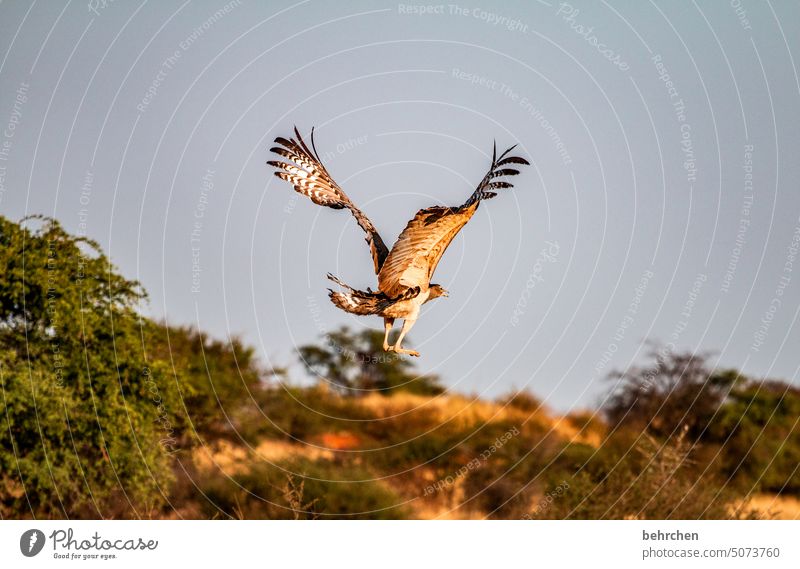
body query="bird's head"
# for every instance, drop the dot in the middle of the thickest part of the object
(436, 291)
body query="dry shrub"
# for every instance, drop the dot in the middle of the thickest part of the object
(651, 480)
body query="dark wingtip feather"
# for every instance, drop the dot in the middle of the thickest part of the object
(513, 160)
(503, 155)
(283, 142)
(506, 172)
(314, 146)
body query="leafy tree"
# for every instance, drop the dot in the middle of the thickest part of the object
(83, 409)
(749, 430)
(356, 363)
(97, 401)
(215, 378)
(675, 392)
(759, 428)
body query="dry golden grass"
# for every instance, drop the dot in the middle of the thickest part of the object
(458, 410)
(233, 459)
(465, 412)
(774, 507)
(567, 428)
(441, 512)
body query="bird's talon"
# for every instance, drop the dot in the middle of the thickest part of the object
(413, 353)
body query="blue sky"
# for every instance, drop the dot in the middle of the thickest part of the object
(662, 201)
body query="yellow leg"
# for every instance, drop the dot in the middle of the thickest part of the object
(407, 324)
(387, 325)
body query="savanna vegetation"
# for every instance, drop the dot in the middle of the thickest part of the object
(109, 414)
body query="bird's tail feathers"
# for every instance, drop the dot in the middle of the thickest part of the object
(339, 282)
(364, 303)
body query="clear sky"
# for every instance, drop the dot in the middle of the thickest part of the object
(662, 202)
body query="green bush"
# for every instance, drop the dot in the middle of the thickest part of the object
(301, 489)
(97, 401)
(759, 434)
(643, 479)
(83, 426)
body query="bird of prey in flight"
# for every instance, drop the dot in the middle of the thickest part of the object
(405, 272)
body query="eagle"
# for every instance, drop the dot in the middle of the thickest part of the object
(404, 272)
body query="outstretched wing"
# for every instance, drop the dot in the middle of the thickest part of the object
(305, 171)
(417, 252)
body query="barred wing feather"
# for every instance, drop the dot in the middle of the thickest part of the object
(303, 169)
(419, 248)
